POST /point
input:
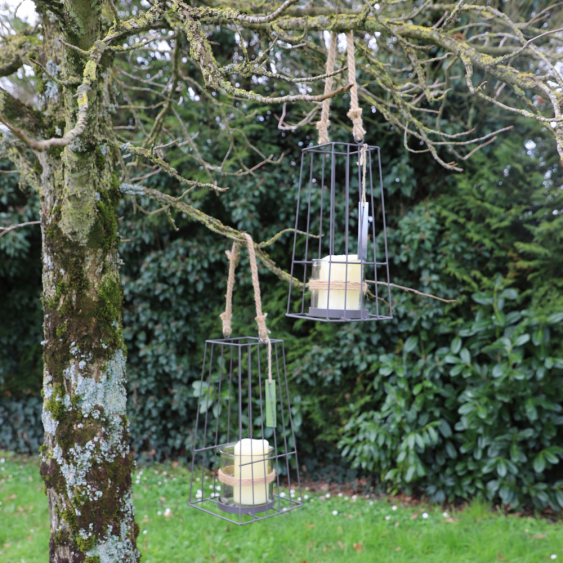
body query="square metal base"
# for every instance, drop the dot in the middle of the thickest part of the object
(241, 509)
(339, 313)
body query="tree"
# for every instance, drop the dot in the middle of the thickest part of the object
(70, 144)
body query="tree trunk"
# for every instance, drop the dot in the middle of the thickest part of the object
(86, 460)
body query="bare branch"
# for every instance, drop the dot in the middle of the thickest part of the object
(233, 15)
(6, 230)
(278, 235)
(115, 13)
(71, 82)
(89, 77)
(414, 291)
(128, 148)
(216, 226)
(303, 122)
(63, 141)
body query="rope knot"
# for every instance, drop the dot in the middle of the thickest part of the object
(226, 318)
(358, 130)
(262, 329)
(355, 114)
(323, 132)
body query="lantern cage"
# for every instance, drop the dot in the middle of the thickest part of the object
(245, 439)
(344, 250)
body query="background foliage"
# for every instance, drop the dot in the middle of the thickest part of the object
(451, 401)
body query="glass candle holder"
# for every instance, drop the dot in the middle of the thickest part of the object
(246, 476)
(345, 285)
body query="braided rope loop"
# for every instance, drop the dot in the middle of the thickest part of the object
(260, 317)
(227, 315)
(324, 122)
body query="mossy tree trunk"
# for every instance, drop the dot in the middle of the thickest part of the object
(86, 461)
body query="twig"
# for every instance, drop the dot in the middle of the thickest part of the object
(72, 82)
(303, 122)
(145, 153)
(166, 145)
(269, 159)
(115, 14)
(413, 291)
(137, 45)
(250, 19)
(78, 49)
(479, 147)
(278, 235)
(291, 46)
(508, 56)
(239, 93)
(12, 227)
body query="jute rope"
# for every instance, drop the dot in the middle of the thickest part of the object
(316, 285)
(260, 317)
(324, 122)
(225, 475)
(355, 113)
(227, 315)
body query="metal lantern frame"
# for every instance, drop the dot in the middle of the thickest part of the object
(340, 215)
(235, 369)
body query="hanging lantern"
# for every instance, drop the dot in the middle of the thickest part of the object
(342, 261)
(340, 268)
(244, 428)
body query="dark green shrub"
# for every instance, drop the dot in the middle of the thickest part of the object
(466, 400)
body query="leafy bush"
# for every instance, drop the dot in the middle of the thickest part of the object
(481, 417)
(468, 402)
(20, 423)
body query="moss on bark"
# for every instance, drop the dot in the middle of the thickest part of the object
(86, 462)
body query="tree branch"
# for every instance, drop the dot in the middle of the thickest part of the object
(88, 79)
(403, 288)
(234, 15)
(14, 51)
(23, 115)
(6, 230)
(145, 153)
(228, 232)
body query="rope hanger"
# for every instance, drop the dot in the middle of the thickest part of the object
(358, 131)
(260, 316)
(355, 112)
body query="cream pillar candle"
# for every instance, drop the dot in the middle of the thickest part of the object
(251, 452)
(351, 272)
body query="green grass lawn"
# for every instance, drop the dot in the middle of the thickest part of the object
(324, 530)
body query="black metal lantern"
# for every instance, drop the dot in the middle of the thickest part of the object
(342, 260)
(244, 432)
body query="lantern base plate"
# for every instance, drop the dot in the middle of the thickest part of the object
(242, 509)
(339, 313)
